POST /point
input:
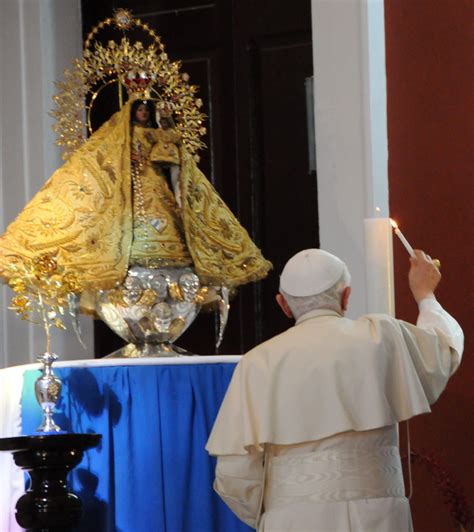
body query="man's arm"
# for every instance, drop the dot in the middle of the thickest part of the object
(424, 278)
(436, 343)
(239, 482)
(433, 316)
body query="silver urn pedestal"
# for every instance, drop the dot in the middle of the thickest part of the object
(152, 309)
(47, 391)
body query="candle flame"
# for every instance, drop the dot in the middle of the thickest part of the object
(394, 223)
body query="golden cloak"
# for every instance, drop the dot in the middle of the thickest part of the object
(84, 216)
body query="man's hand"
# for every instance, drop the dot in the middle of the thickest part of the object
(423, 277)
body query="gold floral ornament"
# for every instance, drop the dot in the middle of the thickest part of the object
(144, 71)
(42, 290)
(123, 19)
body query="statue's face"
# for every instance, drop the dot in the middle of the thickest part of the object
(142, 114)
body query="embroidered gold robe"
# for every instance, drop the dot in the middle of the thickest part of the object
(85, 216)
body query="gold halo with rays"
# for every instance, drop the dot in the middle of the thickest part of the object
(142, 70)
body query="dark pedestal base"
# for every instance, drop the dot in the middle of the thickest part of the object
(48, 505)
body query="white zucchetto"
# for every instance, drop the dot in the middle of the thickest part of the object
(310, 272)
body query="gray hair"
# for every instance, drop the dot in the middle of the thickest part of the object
(330, 299)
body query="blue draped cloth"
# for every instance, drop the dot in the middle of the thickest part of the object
(151, 472)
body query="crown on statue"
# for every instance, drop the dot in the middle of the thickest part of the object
(138, 83)
(144, 70)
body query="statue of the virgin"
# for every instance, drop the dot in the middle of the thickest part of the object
(132, 216)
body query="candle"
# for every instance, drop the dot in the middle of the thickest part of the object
(379, 266)
(402, 238)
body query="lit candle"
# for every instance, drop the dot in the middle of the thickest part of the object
(379, 265)
(402, 238)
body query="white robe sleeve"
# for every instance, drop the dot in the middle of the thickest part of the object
(239, 482)
(433, 316)
(435, 346)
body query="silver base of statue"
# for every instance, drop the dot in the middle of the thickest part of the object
(153, 308)
(47, 391)
(163, 349)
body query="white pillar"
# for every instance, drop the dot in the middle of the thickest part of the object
(38, 40)
(351, 129)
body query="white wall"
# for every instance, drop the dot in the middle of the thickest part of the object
(351, 130)
(38, 40)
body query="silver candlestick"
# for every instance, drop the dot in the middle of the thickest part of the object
(47, 391)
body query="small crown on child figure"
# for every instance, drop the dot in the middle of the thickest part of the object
(164, 109)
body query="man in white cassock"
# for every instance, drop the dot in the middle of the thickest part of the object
(306, 436)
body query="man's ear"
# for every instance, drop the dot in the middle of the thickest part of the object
(284, 306)
(345, 298)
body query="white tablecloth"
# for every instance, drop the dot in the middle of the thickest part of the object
(12, 483)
